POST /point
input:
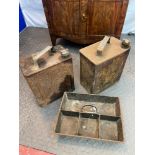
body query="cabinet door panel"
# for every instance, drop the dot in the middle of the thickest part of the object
(65, 16)
(83, 8)
(103, 17)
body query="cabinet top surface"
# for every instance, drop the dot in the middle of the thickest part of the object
(111, 50)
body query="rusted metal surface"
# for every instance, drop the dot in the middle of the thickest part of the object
(48, 74)
(90, 116)
(98, 72)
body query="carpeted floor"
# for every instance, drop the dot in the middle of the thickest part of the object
(37, 124)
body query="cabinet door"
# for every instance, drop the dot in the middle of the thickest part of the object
(83, 9)
(104, 17)
(62, 16)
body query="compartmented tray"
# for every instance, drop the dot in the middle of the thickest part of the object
(90, 116)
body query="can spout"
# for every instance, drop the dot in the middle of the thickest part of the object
(125, 43)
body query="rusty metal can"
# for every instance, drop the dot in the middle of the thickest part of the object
(48, 73)
(102, 63)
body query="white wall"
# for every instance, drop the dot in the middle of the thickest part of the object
(129, 24)
(34, 14)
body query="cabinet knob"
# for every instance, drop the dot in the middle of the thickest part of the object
(84, 17)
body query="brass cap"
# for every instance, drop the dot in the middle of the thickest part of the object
(56, 48)
(125, 43)
(65, 53)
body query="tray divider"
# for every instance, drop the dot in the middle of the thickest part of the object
(99, 126)
(117, 108)
(98, 119)
(78, 124)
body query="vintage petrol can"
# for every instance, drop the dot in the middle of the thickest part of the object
(49, 73)
(102, 63)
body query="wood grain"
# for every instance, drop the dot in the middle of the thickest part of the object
(84, 21)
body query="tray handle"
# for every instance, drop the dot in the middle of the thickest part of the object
(92, 108)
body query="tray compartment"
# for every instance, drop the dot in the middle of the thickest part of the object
(88, 125)
(105, 105)
(68, 123)
(110, 128)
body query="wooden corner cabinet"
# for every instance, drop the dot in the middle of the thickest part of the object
(84, 21)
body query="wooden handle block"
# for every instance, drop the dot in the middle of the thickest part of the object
(41, 57)
(102, 45)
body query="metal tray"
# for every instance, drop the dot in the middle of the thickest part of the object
(90, 116)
